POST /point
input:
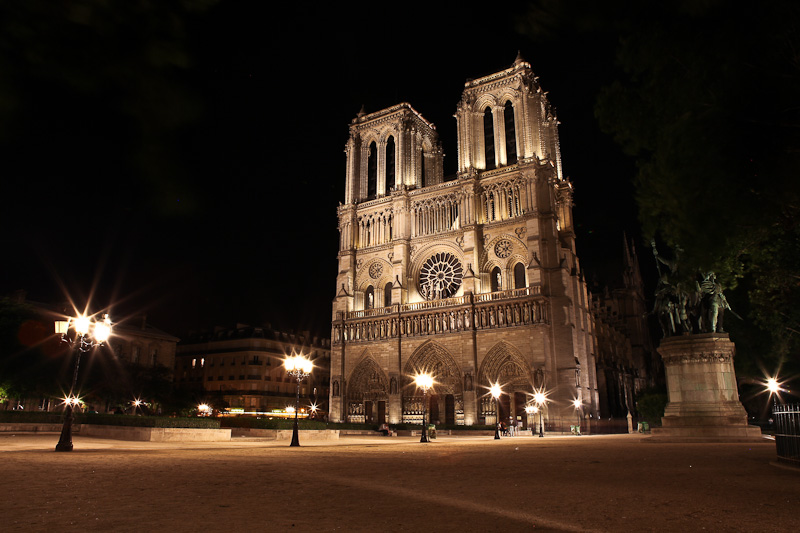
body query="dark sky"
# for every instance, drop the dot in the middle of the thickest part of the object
(188, 163)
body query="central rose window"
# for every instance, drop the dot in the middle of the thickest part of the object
(440, 276)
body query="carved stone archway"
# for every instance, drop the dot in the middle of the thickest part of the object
(448, 387)
(504, 365)
(366, 388)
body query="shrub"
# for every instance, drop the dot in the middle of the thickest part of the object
(651, 405)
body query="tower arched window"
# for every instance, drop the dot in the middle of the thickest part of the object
(519, 276)
(496, 279)
(369, 298)
(423, 169)
(372, 171)
(488, 138)
(387, 295)
(511, 134)
(390, 168)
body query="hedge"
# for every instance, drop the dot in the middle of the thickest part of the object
(34, 417)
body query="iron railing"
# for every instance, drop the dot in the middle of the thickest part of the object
(787, 432)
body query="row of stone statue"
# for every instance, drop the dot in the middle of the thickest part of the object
(453, 321)
(685, 306)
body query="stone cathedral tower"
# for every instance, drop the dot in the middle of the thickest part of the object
(473, 279)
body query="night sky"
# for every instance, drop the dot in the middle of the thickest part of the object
(188, 163)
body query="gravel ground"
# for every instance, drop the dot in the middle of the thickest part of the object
(558, 483)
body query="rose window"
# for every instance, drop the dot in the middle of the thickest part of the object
(375, 270)
(440, 277)
(503, 249)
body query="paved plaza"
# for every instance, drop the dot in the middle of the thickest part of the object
(524, 483)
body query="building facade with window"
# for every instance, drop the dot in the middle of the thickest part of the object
(474, 279)
(138, 343)
(243, 365)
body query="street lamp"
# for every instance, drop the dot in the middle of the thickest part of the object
(540, 398)
(424, 382)
(774, 388)
(578, 407)
(532, 410)
(496, 391)
(300, 367)
(89, 334)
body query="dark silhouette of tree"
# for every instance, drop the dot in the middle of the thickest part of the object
(704, 98)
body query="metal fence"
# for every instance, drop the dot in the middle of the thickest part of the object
(787, 432)
(601, 426)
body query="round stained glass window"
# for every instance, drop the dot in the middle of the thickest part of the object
(440, 276)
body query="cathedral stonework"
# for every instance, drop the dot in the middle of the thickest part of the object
(474, 280)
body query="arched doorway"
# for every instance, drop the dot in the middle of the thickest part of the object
(445, 399)
(367, 393)
(505, 366)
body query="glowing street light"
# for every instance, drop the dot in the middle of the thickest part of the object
(531, 411)
(300, 367)
(90, 333)
(496, 391)
(424, 382)
(578, 409)
(541, 399)
(774, 388)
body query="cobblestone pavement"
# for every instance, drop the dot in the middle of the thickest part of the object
(525, 483)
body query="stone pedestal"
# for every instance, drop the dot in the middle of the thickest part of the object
(703, 397)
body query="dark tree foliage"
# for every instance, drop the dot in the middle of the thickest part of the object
(30, 355)
(704, 97)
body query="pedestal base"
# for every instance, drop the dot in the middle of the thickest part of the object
(703, 403)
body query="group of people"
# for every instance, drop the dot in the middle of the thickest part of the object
(509, 430)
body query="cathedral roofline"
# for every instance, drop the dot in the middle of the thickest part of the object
(519, 64)
(362, 118)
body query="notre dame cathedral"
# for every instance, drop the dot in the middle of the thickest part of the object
(474, 280)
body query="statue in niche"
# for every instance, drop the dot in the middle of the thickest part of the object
(335, 389)
(468, 382)
(538, 378)
(500, 315)
(393, 385)
(452, 320)
(459, 321)
(370, 300)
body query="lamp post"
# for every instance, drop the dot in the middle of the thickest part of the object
(300, 367)
(89, 334)
(774, 388)
(496, 391)
(540, 398)
(578, 407)
(424, 382)
(531, 410)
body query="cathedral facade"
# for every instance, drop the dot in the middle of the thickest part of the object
(474, 280)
